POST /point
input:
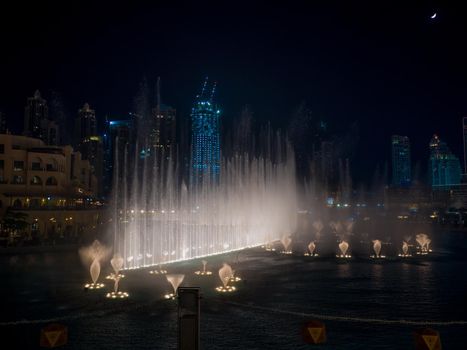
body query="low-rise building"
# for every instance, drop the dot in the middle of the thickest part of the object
(53, 185)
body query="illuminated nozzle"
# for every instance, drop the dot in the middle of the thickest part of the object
(268, 247)
(169, 296)
(112, 276)
(94, 285)
(117, 295)
(226, 289)
(234, 278)
(203, 272)
(158, 271)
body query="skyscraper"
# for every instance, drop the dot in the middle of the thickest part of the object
(205, 137)
(444, 167)
(163, 128)
(89, 143)
(37, 122)
(401, 165)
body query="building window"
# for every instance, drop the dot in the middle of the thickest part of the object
(36, 166)
(2, 148)
(2, 164)
(52, 166)
(51, 181)
(18, 179)
(36, 180)
(35, 203)
(18, 165)
(15, 147)
(17, 203)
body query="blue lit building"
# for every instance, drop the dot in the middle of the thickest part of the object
(444, 167)
(401, 166)
(205, 137)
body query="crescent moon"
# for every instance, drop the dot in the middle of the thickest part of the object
(434, 16)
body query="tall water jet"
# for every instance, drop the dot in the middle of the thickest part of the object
(175, 280)
(162, 215)
(311, 249)
(225, 274)
(203, 272)
(343, 247)
(286, 240)
(377, 249)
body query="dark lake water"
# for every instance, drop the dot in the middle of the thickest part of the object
(364, 304)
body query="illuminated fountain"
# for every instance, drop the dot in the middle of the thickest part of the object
(269, 247)
(311, 249)
(286, 240)
(160, 217)
(377, 250)
(175, 280)
(343, 247)
(405, 250)
(203, 272)
(424, 244)
(225, 274)
(94, 254)
(117, 264)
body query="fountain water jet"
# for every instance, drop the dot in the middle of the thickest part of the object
(175, 280)
(377, 250)
(203, 272)
(225, 274)
(405, 249)
(286, 240)
(343, 247)
(311, 249)
(117, 264)
(161, 215)
(94, 254)
(424, 243)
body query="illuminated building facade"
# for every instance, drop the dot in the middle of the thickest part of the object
(401, 165)
(53, 185)
(444, 167)
(205, 121)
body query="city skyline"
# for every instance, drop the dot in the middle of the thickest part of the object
(414, 90)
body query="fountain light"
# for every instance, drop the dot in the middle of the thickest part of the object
(158, 271)
(203, 272)
(118, 295)
(94, 285)
(112, 276)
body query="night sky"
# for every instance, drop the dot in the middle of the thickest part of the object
(385, 65)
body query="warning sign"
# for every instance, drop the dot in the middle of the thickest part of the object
(314, 332)
(427, 339)
(53, 335)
